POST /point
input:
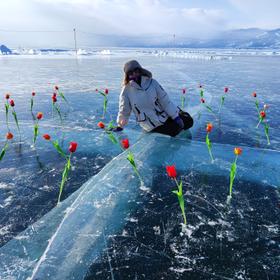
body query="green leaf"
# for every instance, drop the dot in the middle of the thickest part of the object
(58, 111)
(3, 151)
(36, 129)
(180, 188)
(31, 104)
(58, 148)
(7, 108)
(16, 119)
(257, 105)
(110, 125)
(201, 93)
(62, 96)
(266, 128)
(112, 138)
(222, 100)
(130, 158)
(233, 171)
(209, 109)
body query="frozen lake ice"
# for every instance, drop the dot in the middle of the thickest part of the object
(108, 225)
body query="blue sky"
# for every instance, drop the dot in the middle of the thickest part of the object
(194, 18)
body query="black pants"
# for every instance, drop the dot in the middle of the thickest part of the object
(171, 128)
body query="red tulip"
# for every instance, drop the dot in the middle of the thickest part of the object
(254, 94)
(47, 137)
(226, 89)
(9, 136)
(54, 94)
(183, 90)
(101, 125)
(237, 151)
(54, 99)
(33, 93)
(56, 87)
(7, 96)
(125, 143)
(262, 114)
(209, 127)
(202, 100)
(106, 91)
(73, 147)
(12, 103)
(171, 171)
(39, 115)
(96, 89)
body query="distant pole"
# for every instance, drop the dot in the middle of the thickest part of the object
(174, 36)
(75, 39)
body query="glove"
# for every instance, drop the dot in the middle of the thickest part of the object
(117, 129)
(179, 122)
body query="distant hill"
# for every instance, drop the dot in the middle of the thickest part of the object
(239, 38)
(251, 38)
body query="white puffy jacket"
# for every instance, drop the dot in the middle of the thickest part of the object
(149, 102)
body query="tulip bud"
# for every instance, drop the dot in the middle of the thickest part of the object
(262, 114)
(237, 151)
(202, 100)
(56, 87)
(125, 143)
(9, 136)
(39, 115)
(183, 90)
(254, 94)
(171, 171)
(106, 91)
(209, 127)
(33, 93)
(73, 147)
(47, 137)
(12, 103)
(7, 96)
(54, 99)
(101, 125)
(226, 89)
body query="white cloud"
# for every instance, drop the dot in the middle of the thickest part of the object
(134, 17)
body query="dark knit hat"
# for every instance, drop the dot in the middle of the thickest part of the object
(132, 65)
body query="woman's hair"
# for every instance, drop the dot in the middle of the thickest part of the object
(143, 73)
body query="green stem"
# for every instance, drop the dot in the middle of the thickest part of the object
(266, 133)
(183, 101)
(105, 102)
(64, 177)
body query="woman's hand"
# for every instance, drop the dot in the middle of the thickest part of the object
(122, 122)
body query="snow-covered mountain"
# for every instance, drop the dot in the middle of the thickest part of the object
(240, 38)
(251, 38)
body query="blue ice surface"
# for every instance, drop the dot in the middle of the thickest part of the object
(99, 207)
(64, 242)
